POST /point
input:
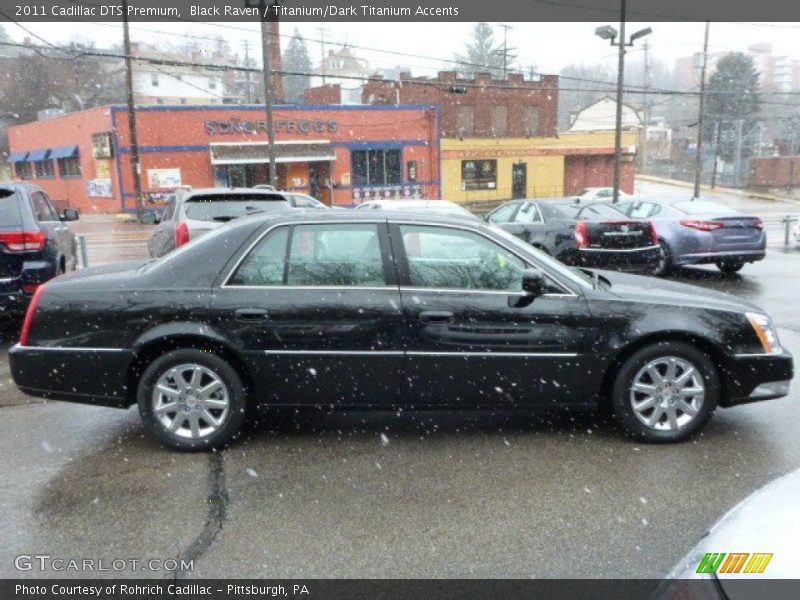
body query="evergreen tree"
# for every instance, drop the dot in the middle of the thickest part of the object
(296, 59)
(482, 54)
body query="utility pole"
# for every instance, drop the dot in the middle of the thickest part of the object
(716, 153)
(322, 31)
(618, 120)
(135, 165)
(698, 167)
(249, 93)
(268, 18)
(738, 163)
(645, 107)
(506, 52)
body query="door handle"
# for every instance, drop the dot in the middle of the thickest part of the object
(251, 314)
(436, 316)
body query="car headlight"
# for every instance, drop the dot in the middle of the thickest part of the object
(766, 332)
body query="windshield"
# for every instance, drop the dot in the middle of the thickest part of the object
(229, 206)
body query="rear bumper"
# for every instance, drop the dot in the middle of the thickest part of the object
(642, 260)
(85, 375)
(699, 258)
(756, 377)
(34, 272)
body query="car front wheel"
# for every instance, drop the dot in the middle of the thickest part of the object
(192, 400)
(665, 392)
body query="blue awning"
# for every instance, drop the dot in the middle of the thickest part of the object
(38, 154)
(16, 157)
(64, 152)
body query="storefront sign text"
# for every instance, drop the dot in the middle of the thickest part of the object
(302, 126)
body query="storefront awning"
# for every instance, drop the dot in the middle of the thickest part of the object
(38, 154)
(64, 152)
(257, 152)
(16, 157)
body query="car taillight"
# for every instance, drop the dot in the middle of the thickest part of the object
(582, 234)
(181, 235)
(30, 288)
(23, 241)
(653, 233)
(26, 324)
(702, 225)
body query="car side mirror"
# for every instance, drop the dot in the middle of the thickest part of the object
(533, 282)
(70, 214)
(158, 218)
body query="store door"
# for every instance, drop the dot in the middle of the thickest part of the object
(519, 181)
(237, 176)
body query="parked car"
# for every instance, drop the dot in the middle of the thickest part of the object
(600, 194)
(35, 243)
(590, 235)
(753, 540)
(192, 213)
(368, 309)
(304, 201)
(694, 232)
(438, 207)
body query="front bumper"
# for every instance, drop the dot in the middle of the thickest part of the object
(640, 260)
(756, 377)
(85, 375)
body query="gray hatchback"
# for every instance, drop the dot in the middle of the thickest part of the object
(693, 232)
(189, 214)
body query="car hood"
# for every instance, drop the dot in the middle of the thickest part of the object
(639, 288)
(763, 522)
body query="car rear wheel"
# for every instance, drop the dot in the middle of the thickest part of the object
(664, 264)
(730, 266)
(665, 392)
(192, 400)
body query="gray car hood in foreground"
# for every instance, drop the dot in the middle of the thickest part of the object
(767, 521)
(639, 288)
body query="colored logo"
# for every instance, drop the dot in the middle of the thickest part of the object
(734, 562)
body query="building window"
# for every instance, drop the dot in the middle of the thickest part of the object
(69, 167)
(377, 167)
(101, 145)
(212, 84)
(530, 120)
(154, 79)
(465, 120)
(23, 170)
(499, 120)
(183, 100)
(478, 175)
(44, 168)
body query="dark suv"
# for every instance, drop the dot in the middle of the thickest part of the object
(35, 244)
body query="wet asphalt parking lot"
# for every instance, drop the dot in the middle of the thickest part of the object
(380, 494)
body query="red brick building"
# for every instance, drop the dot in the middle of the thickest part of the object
(342, 155)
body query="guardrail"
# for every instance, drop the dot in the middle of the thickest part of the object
(787, 227)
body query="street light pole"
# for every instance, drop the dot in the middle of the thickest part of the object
(134, 143)
(267, 18)
(698, 167)
(607, 32)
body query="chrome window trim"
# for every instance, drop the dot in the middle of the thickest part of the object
(487, 292)
(568, 292)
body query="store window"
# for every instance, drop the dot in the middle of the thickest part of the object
(377, 167)
(154, 79)
(478, 175)
(69, 167)
(44, 168)
(23, 170)
(101, 145)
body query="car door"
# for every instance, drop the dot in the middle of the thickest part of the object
(315, 308)
(472, 337)
(48, 219)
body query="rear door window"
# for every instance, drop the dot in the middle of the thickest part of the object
(42, 208)
(503, 214)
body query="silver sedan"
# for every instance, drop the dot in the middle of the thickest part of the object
(693, 232)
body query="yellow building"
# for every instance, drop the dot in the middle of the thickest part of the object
(537, 167)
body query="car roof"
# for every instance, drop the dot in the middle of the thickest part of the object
(19, 186)
(303, 215)
(232, 191)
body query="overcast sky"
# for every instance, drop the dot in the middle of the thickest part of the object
(548, 46)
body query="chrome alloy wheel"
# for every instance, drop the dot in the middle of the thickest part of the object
(667, 393)
(190, 401)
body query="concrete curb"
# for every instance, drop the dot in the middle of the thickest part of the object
(720, 190)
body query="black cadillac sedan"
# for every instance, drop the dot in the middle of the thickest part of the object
(365, 310)
(595, 235)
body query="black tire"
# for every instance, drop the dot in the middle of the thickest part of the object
(230, 421)
(730, 266)
(622, 397)
(664, 265)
